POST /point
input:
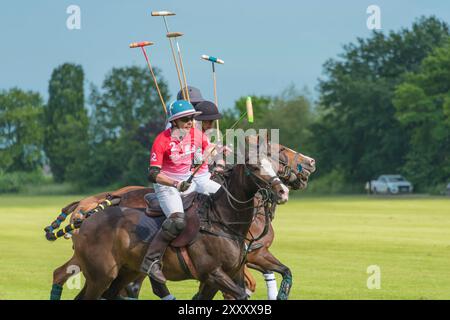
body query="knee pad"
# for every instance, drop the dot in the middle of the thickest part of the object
(175, 224)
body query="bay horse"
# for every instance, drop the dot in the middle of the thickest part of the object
(110, 253)
(294, 170)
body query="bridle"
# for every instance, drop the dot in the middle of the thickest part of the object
(267, 200)
(287, 171)
(265, 189)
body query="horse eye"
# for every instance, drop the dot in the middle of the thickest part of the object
(299, 168)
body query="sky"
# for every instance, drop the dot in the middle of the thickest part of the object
(267, 45)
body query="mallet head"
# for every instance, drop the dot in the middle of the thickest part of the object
(141, 44)
(174, 34)
(162, 13)
(212, 59)
(249, 106)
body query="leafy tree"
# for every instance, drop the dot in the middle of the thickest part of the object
(66, 121)
(291, 113)
(357, 130)
(127, 117)
(423, 108)
(21, 130)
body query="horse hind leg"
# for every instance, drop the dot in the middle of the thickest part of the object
(60, 277)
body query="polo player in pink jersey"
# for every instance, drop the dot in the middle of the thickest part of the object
(171, 159)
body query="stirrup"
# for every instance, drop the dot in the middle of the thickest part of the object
(150, 268)
(156, 261)
(157, 274)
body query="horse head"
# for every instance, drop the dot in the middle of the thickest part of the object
(260, 167)
(294, 167)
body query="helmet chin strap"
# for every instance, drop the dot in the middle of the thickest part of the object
(181, 133)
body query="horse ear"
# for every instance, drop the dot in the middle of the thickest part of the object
(263, 135)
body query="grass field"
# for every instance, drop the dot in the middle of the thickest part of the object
(328, 242)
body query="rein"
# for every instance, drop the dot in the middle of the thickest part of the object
(268, 202)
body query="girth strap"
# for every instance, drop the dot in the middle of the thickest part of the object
(186, 262)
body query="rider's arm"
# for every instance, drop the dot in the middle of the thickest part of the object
(156, 176)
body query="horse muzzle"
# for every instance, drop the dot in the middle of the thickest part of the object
(281, 193)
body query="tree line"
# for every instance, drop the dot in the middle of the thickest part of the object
(383, 107)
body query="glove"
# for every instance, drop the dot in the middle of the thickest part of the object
(219, 167)
(198, 158)
(224, 149)
(183, 186)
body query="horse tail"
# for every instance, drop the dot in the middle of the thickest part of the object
(49, 231)
(65, 212)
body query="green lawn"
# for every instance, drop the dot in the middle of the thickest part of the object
(328, 242)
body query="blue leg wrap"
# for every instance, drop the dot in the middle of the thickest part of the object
(56, 292)
(285, 288)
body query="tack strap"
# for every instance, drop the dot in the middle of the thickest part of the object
(188, 261)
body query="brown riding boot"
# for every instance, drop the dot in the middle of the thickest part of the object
(152, 264)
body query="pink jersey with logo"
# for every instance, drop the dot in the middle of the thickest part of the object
(175, 156)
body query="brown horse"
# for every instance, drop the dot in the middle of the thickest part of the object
(294, 170)
(110, 253)
(260, 258)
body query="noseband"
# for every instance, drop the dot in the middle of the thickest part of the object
(286, 172)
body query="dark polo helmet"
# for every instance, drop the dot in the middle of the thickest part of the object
(195, 95)
(209, 111)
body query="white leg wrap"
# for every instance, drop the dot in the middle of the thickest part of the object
(271, 283)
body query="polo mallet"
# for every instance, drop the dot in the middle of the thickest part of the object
(189, 180)
(164, 14)
(176, 35)
(213, 61)
(142, 45)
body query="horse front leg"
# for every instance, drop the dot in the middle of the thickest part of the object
(161, 290)
(265, 262)
(206, 291)
(220, 280)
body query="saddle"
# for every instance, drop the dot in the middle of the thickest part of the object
(191, 204)
(154, 209)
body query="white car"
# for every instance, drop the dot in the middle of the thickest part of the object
(392, 183)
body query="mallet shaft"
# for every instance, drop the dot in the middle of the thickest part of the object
(215, 99)
(142, 45)
(214, 148)
(174, 58)
(184, 73)
(154, 79)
